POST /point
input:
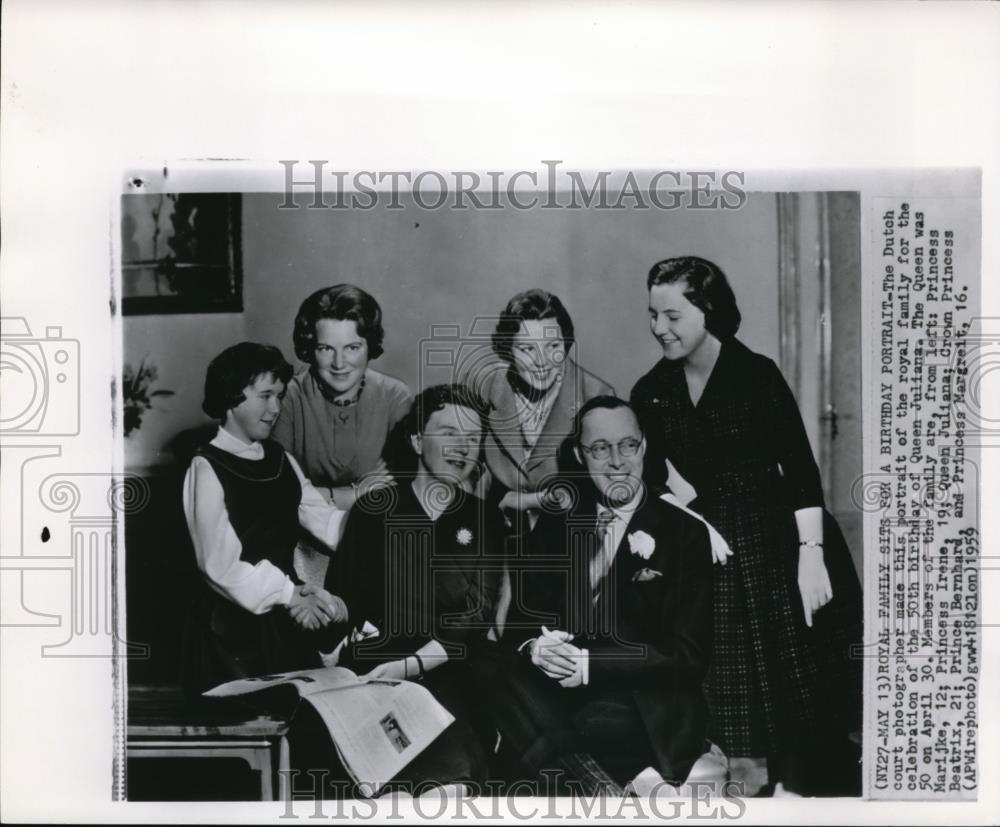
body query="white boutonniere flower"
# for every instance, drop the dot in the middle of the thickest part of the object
(639, 542)
(464, 536)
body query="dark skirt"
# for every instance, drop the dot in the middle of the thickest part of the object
(773, 680)
(227, 642)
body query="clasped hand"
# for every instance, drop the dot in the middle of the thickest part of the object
(312, 607)
(553, 653)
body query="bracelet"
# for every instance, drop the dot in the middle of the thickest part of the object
(420, 665)
(810, 544)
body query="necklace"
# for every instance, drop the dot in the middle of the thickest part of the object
(340, 403)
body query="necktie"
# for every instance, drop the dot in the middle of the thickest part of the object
(601, 562)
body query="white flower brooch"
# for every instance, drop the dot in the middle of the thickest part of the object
(641, 543)
(464, 536)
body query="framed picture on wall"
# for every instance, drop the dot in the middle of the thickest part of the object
(181, 253)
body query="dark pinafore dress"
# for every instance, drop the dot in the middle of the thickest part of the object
(262, 499)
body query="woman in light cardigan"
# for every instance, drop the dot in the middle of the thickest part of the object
(533, 390)
(338, 413)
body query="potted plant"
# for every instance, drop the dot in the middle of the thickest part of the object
(137, 393)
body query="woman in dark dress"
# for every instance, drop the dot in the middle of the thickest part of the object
(727, 421)
(420, 563)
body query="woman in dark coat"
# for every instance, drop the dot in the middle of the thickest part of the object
(727, 421)
(420, 563)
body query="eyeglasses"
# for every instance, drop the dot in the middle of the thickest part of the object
(601, 450)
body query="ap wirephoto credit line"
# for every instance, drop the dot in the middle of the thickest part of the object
(922, 498)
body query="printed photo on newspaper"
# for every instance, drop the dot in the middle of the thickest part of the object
(377, 726)
(639, 482)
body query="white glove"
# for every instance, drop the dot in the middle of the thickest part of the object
(721, 551)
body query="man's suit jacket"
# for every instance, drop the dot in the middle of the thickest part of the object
(650, 631)
(505, 453)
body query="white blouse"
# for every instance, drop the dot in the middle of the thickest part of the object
(217, 548)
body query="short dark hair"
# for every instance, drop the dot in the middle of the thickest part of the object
(606, 402)
(237, 367)
(707, 288)
(529, 305)
(342, 302)
(435, 398)
(398, 451)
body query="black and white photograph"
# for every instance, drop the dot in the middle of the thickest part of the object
(583, 474)
(511, 412)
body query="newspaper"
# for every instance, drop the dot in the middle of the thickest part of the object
(377, 726)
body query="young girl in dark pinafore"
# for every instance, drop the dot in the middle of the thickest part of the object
(244, 500)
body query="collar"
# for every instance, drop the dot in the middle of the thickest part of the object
(431, 496)
(529, 393)
(623, 512)
(225, 441)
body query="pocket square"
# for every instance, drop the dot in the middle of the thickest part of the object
(645, 575)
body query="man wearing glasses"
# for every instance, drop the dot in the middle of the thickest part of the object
(600, 667)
